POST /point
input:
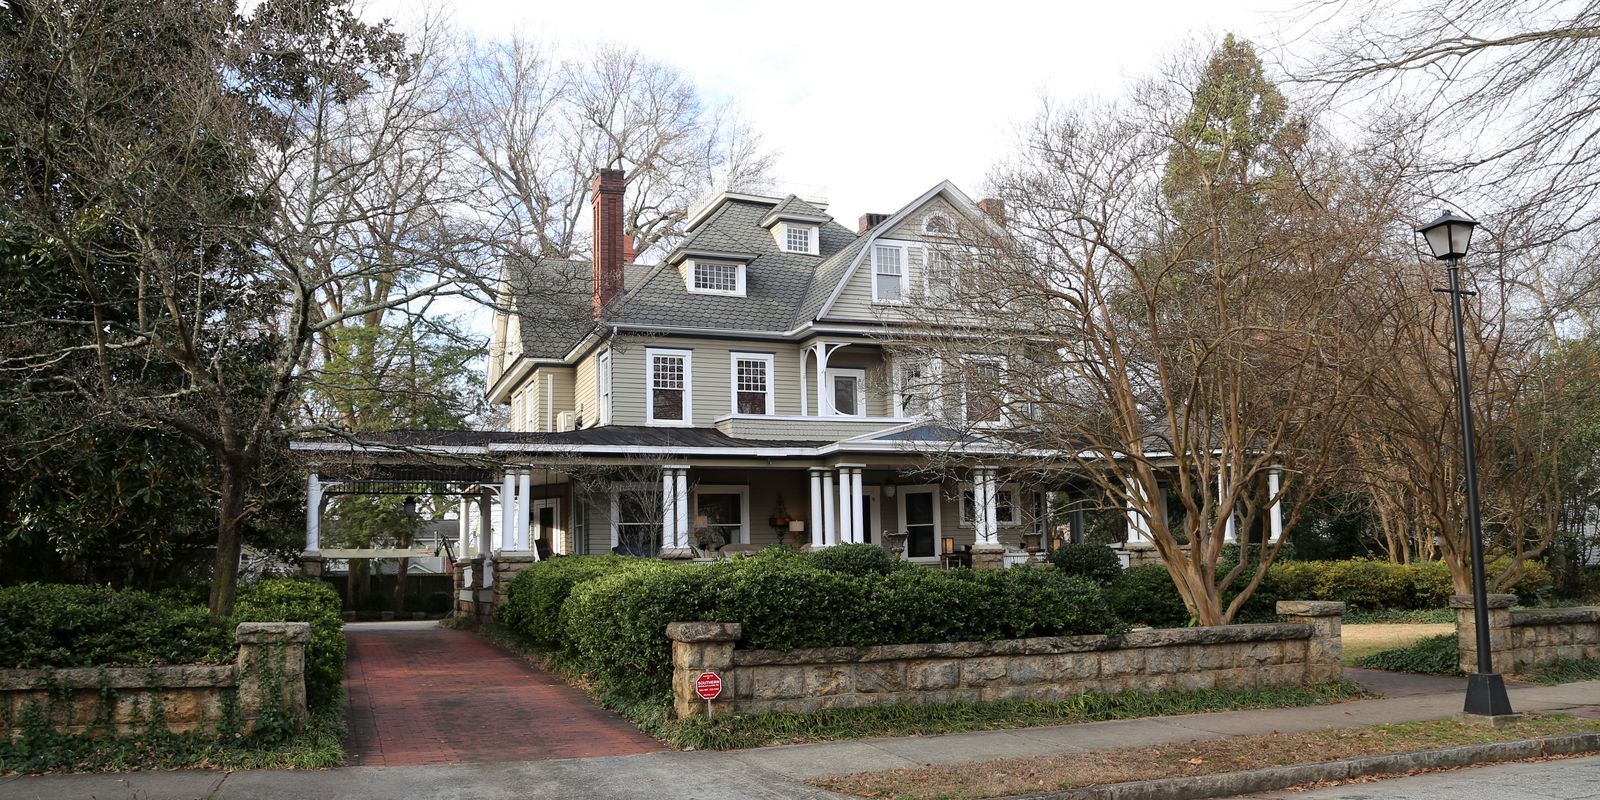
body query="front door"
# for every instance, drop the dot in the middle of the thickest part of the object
(547, 530)
(919, 512)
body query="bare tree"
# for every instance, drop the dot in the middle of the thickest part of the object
(539, 128)
(1166, 306)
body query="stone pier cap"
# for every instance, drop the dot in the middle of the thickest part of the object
(704, 631)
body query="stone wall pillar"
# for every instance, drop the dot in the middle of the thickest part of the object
(271, 670)
(1324, 650)
(506, 566)
(702, 647)
(1502, 647)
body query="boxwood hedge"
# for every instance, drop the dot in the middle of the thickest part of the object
(614, 626)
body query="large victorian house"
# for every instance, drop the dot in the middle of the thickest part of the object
(738, 394)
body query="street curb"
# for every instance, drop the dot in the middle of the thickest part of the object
(1228, 784)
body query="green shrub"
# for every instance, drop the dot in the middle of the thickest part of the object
(857, 559)
(533, 601)
(290, 600)
(1435, 655)
(1146, 594)
(58, 625)
(1097, 562)
(614, 627)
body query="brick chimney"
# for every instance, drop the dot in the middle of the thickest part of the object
(994, 208)
(630, 249)
(869, 221)
(609, 245)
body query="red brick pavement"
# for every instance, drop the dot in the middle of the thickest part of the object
(428, 695)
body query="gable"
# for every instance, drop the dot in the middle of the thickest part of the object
(853, 300)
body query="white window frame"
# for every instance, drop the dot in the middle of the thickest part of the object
(860, 374)
(927, 221)
(1001, 414)
(966, 491)
(733, 382)
(602, 389)
(687, 355)
(935, 371)
(938, 523)
(905, 271)
(744, 506)
(738, 278)
(780, 234)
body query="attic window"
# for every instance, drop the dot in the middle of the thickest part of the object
(797, 239)
(713, 277)
(938, 224)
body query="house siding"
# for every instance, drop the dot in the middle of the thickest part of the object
(585, 389)
(711, 380)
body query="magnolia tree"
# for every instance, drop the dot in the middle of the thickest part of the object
(1164, 309)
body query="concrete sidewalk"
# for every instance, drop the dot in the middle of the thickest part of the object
(771, 772)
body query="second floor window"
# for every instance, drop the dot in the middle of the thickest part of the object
(981, 392)
(669, 387)
(888, 273)
(752, 384)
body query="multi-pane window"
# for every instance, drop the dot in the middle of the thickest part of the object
(938, 224)
(939, 272)
(752, 384)
(603, 389)
(713, 277)
(637, 521)
(797, 239)
(980, 395)
(669, 386)
(848, 391)
(721, 514)
(1005, 507)
(888, 273)
(916, 387)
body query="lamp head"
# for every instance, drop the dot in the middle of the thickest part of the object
(1449, 235)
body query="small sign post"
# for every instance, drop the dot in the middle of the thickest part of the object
(709, 687)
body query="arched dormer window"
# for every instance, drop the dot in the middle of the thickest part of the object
(938, 223)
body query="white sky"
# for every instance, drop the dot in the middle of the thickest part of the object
(876, 102)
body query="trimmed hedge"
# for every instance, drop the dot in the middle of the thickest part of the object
(614, 627)
(61, 625)
(1435, 655)
(291, 600)
(1097, 562)
(533, 598)
(857, 559)
(1145, 594)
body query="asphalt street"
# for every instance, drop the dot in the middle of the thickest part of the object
(1560, 779)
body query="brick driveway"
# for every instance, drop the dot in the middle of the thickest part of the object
(421, 694)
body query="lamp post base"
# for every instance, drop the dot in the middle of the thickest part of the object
(1486, 696)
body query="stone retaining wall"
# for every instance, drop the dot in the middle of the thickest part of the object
(179, 697)
(1523, 641)
(1305, 650)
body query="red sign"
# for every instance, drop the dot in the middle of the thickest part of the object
(708, 686)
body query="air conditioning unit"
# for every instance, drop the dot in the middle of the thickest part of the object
(567, 421)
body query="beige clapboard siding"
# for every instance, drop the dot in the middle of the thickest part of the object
(585, 390)
(855, 301)
(711, 380)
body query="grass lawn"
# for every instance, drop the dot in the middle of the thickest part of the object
(1364, 640)
(1014, 776)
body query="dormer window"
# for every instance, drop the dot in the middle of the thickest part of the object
(797, 239)
(716, 277)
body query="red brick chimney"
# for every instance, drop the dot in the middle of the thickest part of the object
(994, 208)
(609, 246)
(869, 221)
(630, 252)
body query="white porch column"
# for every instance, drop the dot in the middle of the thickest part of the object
(680, 503)
(985, 516)
(821, 351)
(857, 521)
(485, 524)
(830, 522)
(313, 513)
(818, 480)
(1275, 513)
(463, 526)
(1222, 492)
(508, 510)
(1138, 523)
(669, 511)
(846, 519)
(524, 511)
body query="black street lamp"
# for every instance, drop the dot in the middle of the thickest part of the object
(1448, 238)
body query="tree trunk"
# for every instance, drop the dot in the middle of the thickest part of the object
(230, 537)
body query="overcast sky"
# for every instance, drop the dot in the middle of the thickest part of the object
(876, 102)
